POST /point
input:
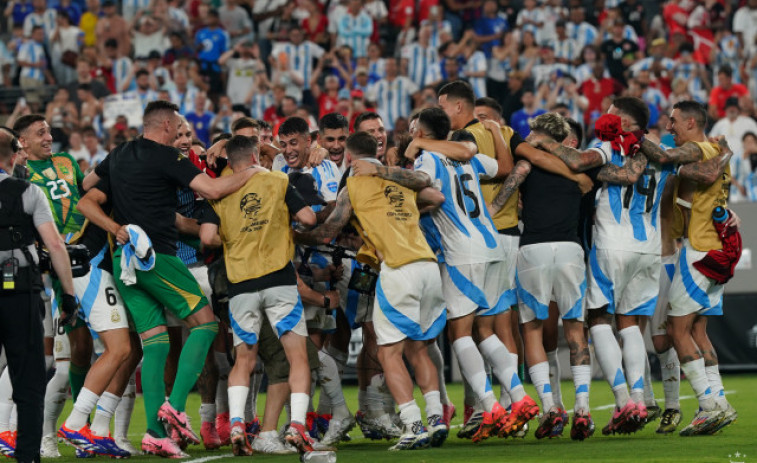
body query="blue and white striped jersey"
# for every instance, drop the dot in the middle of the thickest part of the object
(144, 96)
(646, 64)
(121, 70)
(355, 32)
(32, 52)
(628, 217)
(420, 60)
(462, 225)
(476, 63)
(300, 58)
(327, 177)
(584, 33)
(393, 99)
(260, 102)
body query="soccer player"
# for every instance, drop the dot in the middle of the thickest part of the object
(140, 178)
(408, 309)
(694, 296)
(102, 307)
(458, 102)
(262, 286)
(551, 267)
(333, 129)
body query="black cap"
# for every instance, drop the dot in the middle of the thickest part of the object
(732, 101)
(305, 185)
(154, 54)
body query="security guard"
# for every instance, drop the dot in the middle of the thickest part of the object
(24, 215)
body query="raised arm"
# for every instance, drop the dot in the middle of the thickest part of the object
(512, 182)
(627, 174)
(333, 224)
(415, 180)
(689, 152)
(457, 150)
(217, 188)
(544, 161)
(502, 152)
(578, 161)
(706, 172)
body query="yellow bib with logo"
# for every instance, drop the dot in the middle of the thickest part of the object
(388, 219)
(255, 228)
(507, 217)
(701, 232)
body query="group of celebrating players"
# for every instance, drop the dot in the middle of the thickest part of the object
(299, 241)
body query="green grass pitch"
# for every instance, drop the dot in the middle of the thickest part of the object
(737, 443)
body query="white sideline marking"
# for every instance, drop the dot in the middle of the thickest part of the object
(214, 457)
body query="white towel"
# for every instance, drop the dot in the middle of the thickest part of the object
(137, 254)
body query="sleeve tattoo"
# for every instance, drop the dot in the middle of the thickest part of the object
(511, 184)
(333, 224)
(689, 152)
(626, 174)
(411, 179)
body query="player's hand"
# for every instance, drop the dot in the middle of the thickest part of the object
(733, 221)
(333, 296)
(317, 156)
(584, 183)
(214, 152)
(722, 143)
(491, 126)
(336, 272)
(68, 310)
(269, 152)
(122, 236)
(364, 168)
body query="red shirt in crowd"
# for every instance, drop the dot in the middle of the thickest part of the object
(326, 104)
(400, 11)
(312, 31)
(595, 91)
(719, 96)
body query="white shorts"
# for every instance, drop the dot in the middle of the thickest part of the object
(551, 272)
(409, 303)
(479, 288)
(200, 273)
(659, 324)
(691, 292)
(47, 297)
(101, 305)
(61, 344)
(510, 246)
(626, 282)
(282, 306)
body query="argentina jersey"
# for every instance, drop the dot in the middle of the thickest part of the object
(462, 224)
(327, 177)
(628, 217)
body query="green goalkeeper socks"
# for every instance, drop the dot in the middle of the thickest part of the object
(153, 387)
(191, 362)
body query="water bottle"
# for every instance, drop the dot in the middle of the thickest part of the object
(318, 457)
(719, 214)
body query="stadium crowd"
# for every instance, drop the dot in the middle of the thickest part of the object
(176, 141)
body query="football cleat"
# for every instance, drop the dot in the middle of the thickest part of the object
(582, 427)
(125, 444)
(729, 417)
(548, 422)
(558, 429)
(522, 433)
(624, 420)
(366, 426)
(269, 443)
(297, 436)
(176, 436)
(414, 437)
(653, 412)
(252, 429)
(161, 446)
(471, 425)
(389, 428)
(8, 443)
(107, 446)
(84, 454)
(179, 421)
(437, 430)
(81, 439)
(223, 427)
(490, 422)
(670, 420)
(521, 412)
(49, 447)
(209, 436)
(336, 431)
(448, 413)
(704, 422)
(322, 422)
(240, 446)
(311, 424)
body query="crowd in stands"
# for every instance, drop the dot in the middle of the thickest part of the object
(271, 59)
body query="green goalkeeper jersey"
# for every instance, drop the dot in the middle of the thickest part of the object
(60, 177)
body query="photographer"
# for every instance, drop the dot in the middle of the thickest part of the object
(24, 214)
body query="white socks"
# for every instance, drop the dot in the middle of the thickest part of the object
(716, 385)
(124, 410)
(554, 378)
(6, 401)
(634, 359)
(208, 413)
(237, 402)
(55, 398)
(85, 403)
(697, 376)
(410, 413)
(106, 407)
(582, 383)
(472, 367)
(499, 358)
(331, 386)
(374, 399)
(671, 378)
(438, 360)
(648, 391)
(299, 402)
(433, 403)
(610, 359)
(540, 378)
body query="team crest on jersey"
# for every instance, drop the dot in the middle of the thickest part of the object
(50, 173)
(396, 199)
(251, 205)
(115, 317)
(59, 346)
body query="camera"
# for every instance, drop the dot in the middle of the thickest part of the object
(363, 280)
(78, 255)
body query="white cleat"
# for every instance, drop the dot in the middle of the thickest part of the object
(125, 444)
(337, 430)
(49, 447)
(269, 443)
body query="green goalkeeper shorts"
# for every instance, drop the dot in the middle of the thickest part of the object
(168, 286)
